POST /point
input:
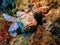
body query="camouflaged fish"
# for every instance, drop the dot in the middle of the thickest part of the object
(24, 20)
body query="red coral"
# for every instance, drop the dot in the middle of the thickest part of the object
(40, 30)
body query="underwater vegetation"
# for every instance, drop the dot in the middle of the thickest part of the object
(6, 6)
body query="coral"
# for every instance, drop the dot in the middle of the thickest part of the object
(35, 22)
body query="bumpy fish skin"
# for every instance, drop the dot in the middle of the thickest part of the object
(24, 20)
